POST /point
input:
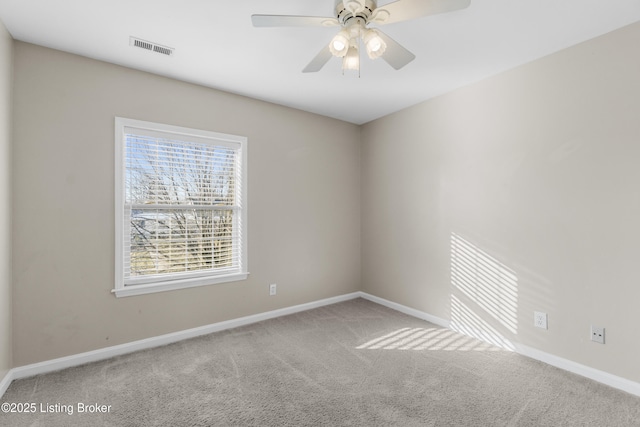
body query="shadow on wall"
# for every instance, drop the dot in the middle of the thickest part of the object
(484, 297)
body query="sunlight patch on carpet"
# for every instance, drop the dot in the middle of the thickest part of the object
(426, 339)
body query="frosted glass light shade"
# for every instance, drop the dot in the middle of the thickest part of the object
(374, 44)
(351, 61)
(339, 45)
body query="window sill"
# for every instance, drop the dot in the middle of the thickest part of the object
(150, 288)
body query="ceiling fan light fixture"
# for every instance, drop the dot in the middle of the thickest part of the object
(339, 45)
(374, 44)
(351, 61)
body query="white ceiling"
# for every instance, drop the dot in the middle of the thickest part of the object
(216, 45)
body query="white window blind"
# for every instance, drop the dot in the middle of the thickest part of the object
(182, 207)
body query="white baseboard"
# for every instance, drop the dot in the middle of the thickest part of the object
(407, 310)
(5, 382)
(550, 359)
(119, 350)
(611, 380)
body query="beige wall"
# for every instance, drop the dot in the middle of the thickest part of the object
(515, 194)
(304, 196)
(6, 66)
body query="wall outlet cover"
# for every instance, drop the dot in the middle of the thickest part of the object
(597, 334)
(540, 319)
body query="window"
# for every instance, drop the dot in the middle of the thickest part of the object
(180, 207)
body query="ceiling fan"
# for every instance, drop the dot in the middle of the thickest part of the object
(355, 17)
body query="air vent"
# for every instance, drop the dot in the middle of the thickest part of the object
(154, 47)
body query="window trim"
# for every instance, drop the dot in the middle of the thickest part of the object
(165, 284)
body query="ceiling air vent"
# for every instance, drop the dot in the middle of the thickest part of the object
(154, 47)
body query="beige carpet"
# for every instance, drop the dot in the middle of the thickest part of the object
(350, 364)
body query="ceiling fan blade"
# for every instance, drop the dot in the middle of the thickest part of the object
(395, 54)
(318, 62)
(404, 10)
(292, 21)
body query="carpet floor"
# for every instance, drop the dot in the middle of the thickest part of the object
(354, 363)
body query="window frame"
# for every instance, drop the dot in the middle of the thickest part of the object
(168, 283)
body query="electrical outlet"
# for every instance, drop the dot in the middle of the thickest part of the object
(540, 319)
(597, 334)
(272, 289)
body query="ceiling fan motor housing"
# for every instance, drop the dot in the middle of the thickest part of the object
(363, 10)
